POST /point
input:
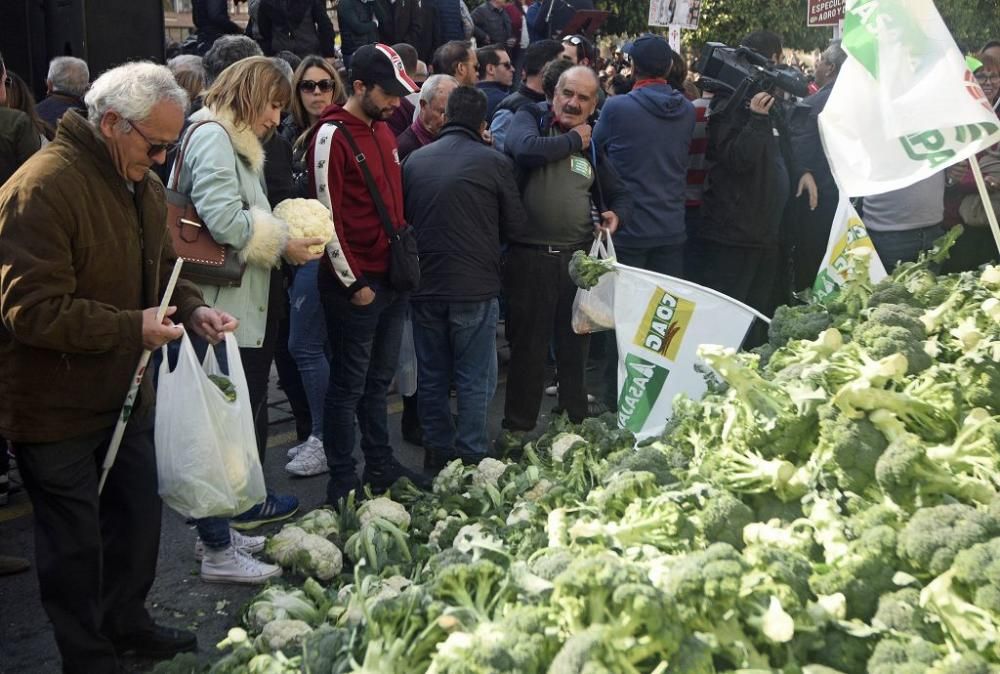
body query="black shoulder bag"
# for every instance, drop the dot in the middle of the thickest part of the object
(404, 260)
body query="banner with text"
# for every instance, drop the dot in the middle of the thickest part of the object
(682, 13)
(847, 234)
(905, 105)
(823, 13)
(659, 323)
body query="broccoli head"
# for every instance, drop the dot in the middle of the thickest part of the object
(647, 458)
(933, 536)
(722, 518)
(897, 656)
(863, 574)
(892, 329)
(901, 612)
(803, 321)
(977, 574)
(849, 449)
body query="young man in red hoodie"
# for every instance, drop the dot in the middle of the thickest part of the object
(364, 314)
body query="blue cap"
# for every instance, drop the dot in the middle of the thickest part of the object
(651, 54)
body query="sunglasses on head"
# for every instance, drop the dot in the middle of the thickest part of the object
(154, 148)
(325, 86)
(574, 40)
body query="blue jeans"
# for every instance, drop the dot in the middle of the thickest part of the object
(307, 340)
(364, 346)
(456, 340)
(904, 246)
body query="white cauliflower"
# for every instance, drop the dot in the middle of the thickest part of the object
(472, 536)
(562, 444)
(306, 553)
(451, 478)
(489, 471)
(276, 603)
(322, 522)
(386, 509)
(538, 491)
(280, 634)
(434, 539)
(306, 218)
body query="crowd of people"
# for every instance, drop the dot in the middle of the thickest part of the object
(500, 162)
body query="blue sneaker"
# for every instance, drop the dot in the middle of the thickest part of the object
(276, 507)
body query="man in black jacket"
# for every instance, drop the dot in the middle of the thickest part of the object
(299, 26)
(569, 189)
(399, 21)
(737, 247)
(460, 196)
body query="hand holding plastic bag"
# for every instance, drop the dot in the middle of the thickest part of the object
(594, 309)
(206, 448)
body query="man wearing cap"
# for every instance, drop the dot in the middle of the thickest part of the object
(569, 188)
(364, 315)
(646, 135)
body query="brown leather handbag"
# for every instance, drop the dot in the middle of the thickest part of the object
(206, 261)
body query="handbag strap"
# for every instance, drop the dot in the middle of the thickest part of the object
(359, 157)
(179, 160)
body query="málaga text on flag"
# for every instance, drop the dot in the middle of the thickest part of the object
(847, 235)
(905, 104)
(659, 323)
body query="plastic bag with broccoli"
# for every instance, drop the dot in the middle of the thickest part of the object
(206, 448)
(594, 309)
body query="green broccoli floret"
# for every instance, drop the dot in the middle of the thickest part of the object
(892, 329)
(896, 656)
(550, 562)
(923, 417)
(848, 450)
(769, 507)
(910, 478)
(722, 518)
(977, 574)
(693, 657)
(964, 663)
(747, 472)
(863, 574)
(583, 592)
(804, 321)
(890, 291)
(647, 458)
(933, 536)
(784, 568)
(591, 652)
(979, 379)
(523, 642)
(974, 450)
(842, 652)
(475, 588)
(901, 612)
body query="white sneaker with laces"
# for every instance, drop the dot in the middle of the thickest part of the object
(310, 461)
(232, 565)
(311, 441)
(248, 544)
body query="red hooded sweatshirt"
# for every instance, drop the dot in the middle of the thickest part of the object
(360, 248)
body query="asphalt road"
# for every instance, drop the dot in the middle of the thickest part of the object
(178, 597)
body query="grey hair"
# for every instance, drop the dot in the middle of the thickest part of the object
(834, 54)
(69, 75)
(132, 90)
(430, 88)
(226, 51)
(185, 63)
(284, 66)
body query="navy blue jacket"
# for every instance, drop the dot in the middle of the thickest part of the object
(495, 93)
(646, 135)
(449, 20)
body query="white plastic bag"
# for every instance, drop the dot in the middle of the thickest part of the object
(594, 309)
(206, 448)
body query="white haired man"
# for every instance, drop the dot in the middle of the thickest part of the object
(66, 84)
(84, 254)
(430, 117)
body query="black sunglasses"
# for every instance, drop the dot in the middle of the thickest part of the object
(507, 65)
(325, 86)
(154, 148)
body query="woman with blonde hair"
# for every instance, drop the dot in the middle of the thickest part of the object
(315, 85)
(222, 173)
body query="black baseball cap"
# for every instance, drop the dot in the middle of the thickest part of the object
(651, 53)
(379, 64)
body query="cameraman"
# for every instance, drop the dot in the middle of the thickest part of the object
(736, 248)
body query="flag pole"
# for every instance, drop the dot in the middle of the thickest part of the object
(133, 391)
(984, 194)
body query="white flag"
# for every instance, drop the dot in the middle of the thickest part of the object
(905, 104)
(659, 323)
(847, 234)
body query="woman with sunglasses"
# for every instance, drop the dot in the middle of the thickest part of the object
(316, 85)
(222, 172)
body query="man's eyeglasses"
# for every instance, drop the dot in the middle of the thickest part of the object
(507, 65)
(325, 86)
(995, 77)
(154, 148)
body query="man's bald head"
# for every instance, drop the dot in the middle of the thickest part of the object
(575, 98)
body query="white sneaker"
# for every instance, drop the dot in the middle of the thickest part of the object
(248, 544)
(310, 461)
(232, 565)
(552, 389)
(311, 441)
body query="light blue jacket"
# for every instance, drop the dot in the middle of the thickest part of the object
(224, 177)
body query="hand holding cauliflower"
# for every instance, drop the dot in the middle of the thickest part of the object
(307, 219)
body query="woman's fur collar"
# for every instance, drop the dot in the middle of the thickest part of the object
(245, 142)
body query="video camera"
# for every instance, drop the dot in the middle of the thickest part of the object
(742, 73)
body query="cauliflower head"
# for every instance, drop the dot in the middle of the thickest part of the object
(306, 218)
(489, 471)
(280, 634)
(386, 509)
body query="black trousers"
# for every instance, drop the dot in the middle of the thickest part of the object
(540, 296)
(257, 361)
(95, 555)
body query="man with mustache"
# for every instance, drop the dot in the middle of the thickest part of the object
(569, 190)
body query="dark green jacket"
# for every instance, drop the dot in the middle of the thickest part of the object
(18, 141)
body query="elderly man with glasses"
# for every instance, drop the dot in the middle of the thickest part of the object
(84, 255)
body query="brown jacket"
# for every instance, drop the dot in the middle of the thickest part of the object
(80, 257)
